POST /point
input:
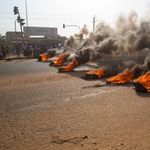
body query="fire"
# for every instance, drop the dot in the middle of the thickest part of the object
(144, 81)
(45, 57)
(60, 60)
(70, 67)
(99, 73)
(121, 78)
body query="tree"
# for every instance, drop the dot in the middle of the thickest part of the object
(2, 39)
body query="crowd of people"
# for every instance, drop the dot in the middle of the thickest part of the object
(28, 50)
(31, 50)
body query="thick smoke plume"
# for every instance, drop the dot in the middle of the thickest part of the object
(139, 69)
(74, 42)
(83, 56)
(128, 37)
(51, 52)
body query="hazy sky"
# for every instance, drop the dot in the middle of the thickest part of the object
(53, 13)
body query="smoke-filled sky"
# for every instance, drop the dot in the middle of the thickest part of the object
(55, 13)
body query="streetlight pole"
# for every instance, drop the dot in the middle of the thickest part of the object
(71, 26)
(26, 13)
(15, 32)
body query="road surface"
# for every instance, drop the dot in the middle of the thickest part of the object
(43, 109)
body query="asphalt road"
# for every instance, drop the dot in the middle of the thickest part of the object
(39, 81)
(43, 109)
(18, 67)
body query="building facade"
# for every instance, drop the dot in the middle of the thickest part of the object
(36, 36)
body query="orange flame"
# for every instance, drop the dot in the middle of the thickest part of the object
(70, 67)
(45, 57)
(60, 60)
(99, 73)
(144, 81)
(121, 78)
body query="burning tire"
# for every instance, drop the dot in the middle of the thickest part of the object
(59, 61)
(39, 58)
(69, 68)
(142, 84)
(108, 82)
(95, 74)
(51, 63)
(139, 88)
(121, 78)
(90, 76)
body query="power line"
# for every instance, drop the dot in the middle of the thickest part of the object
(25, 13)
(6, 12)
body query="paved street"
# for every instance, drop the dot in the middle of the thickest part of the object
(23, 66)
(44, 109)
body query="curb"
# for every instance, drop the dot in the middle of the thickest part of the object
(24, 57)
(8, 59)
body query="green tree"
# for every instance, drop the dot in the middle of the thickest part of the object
(2, 39)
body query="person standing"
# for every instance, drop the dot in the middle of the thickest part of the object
(28, 51)
(38, 51)
(3, 51)
(25, 49)
(35, 51)
(44, 49)
(3, 54)
(47, 48)
(17, 50)
(53, 46)
(7, 51)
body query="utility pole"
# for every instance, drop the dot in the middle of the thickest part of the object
(26, 13)
(94, 22)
